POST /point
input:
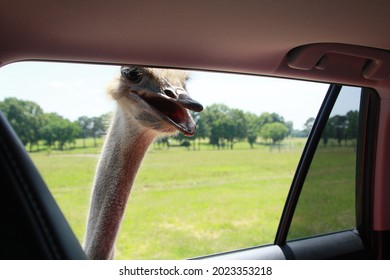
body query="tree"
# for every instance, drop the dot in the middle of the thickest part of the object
(236, 126)
(253, 128)
(216, 118)
(26, 118)
(275, 131)
(98, 128)
(202, 128)
(59, 130)
(353, 121)
(93, 127)
(339, 126)
(270, 118)
(49, 132)
(224, 124)
(290, 128)
(308, 126)
(84, 123)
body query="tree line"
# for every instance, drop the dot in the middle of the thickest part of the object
(340, 128)
(223, 126)
(218, 124)
(33, 125)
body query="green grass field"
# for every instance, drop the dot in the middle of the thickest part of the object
(184, 203)
(328, 196)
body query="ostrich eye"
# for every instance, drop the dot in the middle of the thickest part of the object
(134, 75)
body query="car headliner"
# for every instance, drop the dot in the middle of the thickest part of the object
(240, 36)
(251, 36)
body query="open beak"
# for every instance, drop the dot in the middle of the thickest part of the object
(173, 104)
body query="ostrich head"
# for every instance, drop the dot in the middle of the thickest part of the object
(156, 99)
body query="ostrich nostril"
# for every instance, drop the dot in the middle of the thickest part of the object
(170, 93)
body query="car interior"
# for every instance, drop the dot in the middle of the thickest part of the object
(342, 43)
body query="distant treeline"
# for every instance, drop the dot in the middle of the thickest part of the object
(221, 125)
(34, 126)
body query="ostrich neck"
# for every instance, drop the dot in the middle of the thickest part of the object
(123, 151)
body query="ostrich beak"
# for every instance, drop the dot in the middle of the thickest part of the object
(189, 103)
(179, 114)
(173, 104)
(185, 101)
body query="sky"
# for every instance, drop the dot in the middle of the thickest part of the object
(74, 90)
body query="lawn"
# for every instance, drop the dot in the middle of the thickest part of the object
(184, 203)
(328, 196)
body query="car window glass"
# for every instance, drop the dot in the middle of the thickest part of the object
(327, 200)
(221, 190)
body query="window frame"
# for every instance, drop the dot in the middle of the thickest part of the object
(366, 146)
(365, 165)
